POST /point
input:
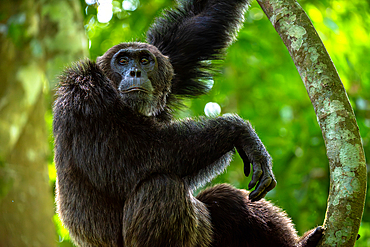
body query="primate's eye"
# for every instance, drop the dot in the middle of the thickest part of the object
(144, 60)
(122, 60)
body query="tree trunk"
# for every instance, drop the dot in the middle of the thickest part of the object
(33, 40)
(335, 116)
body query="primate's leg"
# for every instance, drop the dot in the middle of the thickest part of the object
(237, 221)
(161, 211)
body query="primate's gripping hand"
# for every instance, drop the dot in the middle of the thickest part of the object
(252, 151)
(262, 173)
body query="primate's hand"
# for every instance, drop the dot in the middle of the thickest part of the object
(253, 152)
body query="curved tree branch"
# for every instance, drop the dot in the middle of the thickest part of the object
(335, 116)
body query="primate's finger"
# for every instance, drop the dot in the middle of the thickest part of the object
(257, 173)
(261, 189)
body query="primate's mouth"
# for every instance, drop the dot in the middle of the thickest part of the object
(135, 89)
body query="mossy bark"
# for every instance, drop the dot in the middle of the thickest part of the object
(335, 117)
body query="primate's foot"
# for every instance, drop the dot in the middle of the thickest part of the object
(311, 238)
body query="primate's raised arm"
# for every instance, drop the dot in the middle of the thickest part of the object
(192, 34)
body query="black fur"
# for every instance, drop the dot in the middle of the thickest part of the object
(126, 170)
(195, 32)
(241, 222)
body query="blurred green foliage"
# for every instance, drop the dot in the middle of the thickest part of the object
(260, 82)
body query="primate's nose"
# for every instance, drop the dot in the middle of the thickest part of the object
(135, 73)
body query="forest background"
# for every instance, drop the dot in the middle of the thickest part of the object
(258, 81)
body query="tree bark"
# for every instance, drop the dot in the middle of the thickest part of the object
(34, 37)
(335, 116)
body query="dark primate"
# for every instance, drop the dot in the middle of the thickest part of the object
(127, 170)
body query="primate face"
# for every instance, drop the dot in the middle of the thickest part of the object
(141, 75)
(134, 66)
